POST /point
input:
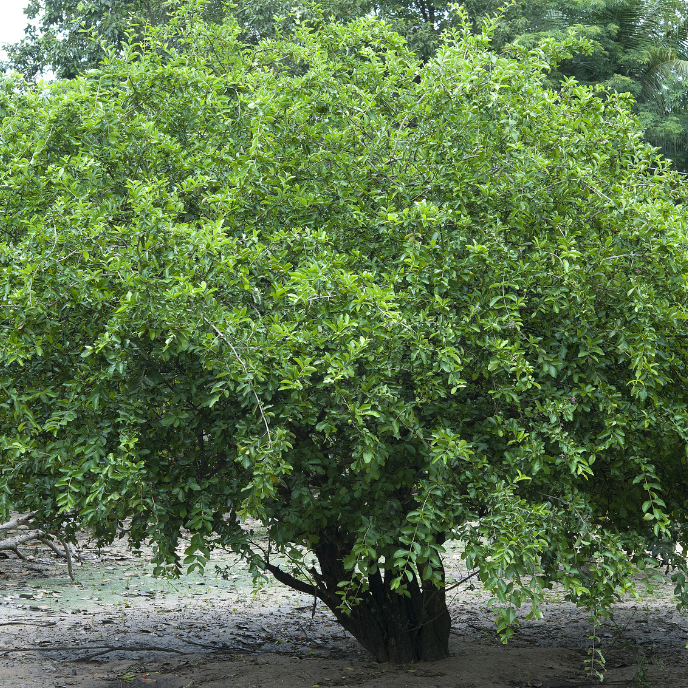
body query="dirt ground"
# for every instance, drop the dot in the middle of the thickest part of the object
(119, 626)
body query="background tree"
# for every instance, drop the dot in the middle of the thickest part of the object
(639, 47)
(374, 304)
(68, 37)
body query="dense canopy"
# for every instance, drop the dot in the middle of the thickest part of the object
(374, 304)
(637, 46)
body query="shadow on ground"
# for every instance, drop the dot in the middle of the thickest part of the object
(119, 626)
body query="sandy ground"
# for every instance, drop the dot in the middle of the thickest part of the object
(119, 626)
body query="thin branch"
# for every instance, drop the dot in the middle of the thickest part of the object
(68, 555)
(599, 193)
(463, 580)
(260, 406)
(289, 580)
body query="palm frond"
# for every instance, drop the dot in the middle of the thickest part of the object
(663, 65)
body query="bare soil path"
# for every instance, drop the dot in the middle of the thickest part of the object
(119, 626)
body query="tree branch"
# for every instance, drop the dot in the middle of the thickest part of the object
(48, 542)
(288, 579)
(22, 520)
(238, 358)
(13, 542)
(68, 555)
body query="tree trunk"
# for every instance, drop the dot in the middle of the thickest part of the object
(399, 629)
(392, 627)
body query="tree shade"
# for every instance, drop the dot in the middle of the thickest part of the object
(374, 304)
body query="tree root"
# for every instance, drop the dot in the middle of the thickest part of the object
(133, 648)
(104, 649)
(28, 623)
(107, 649)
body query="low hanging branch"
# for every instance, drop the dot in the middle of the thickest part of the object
(12, 543)
(49, 543)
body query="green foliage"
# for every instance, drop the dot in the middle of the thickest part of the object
(364, 301)
(261, 20)
(67, 37)
(639, 47)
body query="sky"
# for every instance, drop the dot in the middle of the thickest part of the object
(12, 21)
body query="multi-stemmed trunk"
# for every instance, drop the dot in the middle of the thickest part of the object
(396, 628)
(392, 627)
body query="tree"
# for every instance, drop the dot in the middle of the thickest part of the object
(639, 47)
(71, 36)
(267, 19)
(373, 304)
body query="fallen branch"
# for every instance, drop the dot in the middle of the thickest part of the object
(22, 520)
(27, 623)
